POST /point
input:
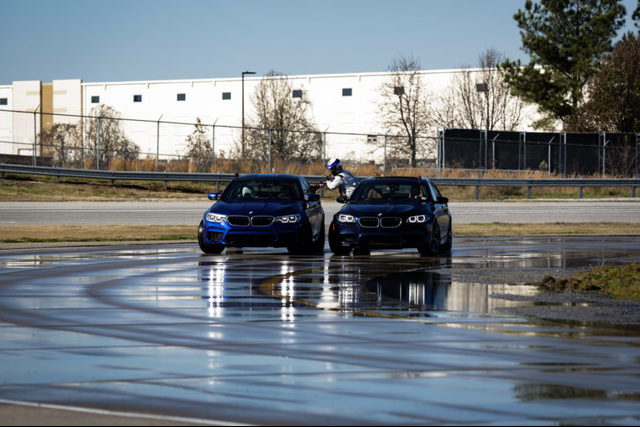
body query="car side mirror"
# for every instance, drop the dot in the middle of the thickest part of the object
(341, 199)
(312, 197)
(443, 200)
(213, 196)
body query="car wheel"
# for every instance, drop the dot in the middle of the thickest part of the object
(206, 247)
(334, 243)
(318, 245)
(432, 247)
(305, 244)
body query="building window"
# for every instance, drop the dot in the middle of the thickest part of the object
(226, 95)
(182, 97)
(347, 91)
(398, 90)
(297, 93)
(137, 98)
(4, 101)
(95, 99)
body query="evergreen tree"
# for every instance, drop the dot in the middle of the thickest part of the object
(567, 40)
(614, 93)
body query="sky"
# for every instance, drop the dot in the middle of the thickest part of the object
(132, 40)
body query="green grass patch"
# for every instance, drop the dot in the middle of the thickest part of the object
(618, 282)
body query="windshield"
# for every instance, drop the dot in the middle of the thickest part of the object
(262, 189)
(389, 192)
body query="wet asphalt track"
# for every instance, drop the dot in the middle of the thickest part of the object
(261, 337)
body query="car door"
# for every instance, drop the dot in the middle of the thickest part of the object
(441, 210)
(313, 208)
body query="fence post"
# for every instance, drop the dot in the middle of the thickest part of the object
(384, 165)
(84, 130)
(324, 148)
(549, 155)
(270, 152)
(604, 153)
(443, 142)
(564, 168)
(35, 136)
(637, 137)
(98, 143)
(486, 148)
(213, 142)
(158, 141)
(524, 164)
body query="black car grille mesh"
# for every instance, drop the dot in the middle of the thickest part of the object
(238, 220)
(373, 222)
(262, 221)
(369, 222)
(390, 222)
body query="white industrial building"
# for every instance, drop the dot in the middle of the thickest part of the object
(342, 105)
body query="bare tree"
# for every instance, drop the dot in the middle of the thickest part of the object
(106, 139)
(63, 143)
(282, 126)
(480, 99)
(199, 149)
(404, 109)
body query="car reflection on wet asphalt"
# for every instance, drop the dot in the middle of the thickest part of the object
(263, 337)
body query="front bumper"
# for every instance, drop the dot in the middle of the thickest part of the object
(275, 235)
(352, 235)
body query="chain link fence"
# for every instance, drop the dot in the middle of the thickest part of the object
(92, 142)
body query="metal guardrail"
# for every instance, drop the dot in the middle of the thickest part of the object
(529, 183)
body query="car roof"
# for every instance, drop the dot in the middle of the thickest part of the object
(407, 179)
(269, 176)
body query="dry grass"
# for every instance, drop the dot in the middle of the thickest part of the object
(94, 233)
(560, 229)
(24, 188)
(119, 233)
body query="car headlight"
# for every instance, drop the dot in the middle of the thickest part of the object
(288, 219)
(417, 219)
(214, 217)
(346, 218)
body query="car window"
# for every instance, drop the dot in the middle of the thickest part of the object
(388, 192)
(435, 191)
(306, 188)
(262, 189)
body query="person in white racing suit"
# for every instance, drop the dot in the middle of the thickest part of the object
(342, 180)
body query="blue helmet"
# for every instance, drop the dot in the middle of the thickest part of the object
(334, 165)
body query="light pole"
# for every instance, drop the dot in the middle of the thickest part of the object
(243, 74)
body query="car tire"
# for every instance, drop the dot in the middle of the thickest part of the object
(206, 247)
(305, 244)
(334, 243)
(432, 247)
(318, 245)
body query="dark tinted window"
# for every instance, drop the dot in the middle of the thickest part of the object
(297, 93)
(4, 101)
(389, 192)
(347, 92)
(95, 99)
(226, 95)
(262, 189)
(137, 98)
(182, 97)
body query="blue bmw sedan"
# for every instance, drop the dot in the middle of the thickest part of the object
(264, 211)
(392, 213)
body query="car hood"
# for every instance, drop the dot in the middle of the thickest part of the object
(386, 209)
(256, 207)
